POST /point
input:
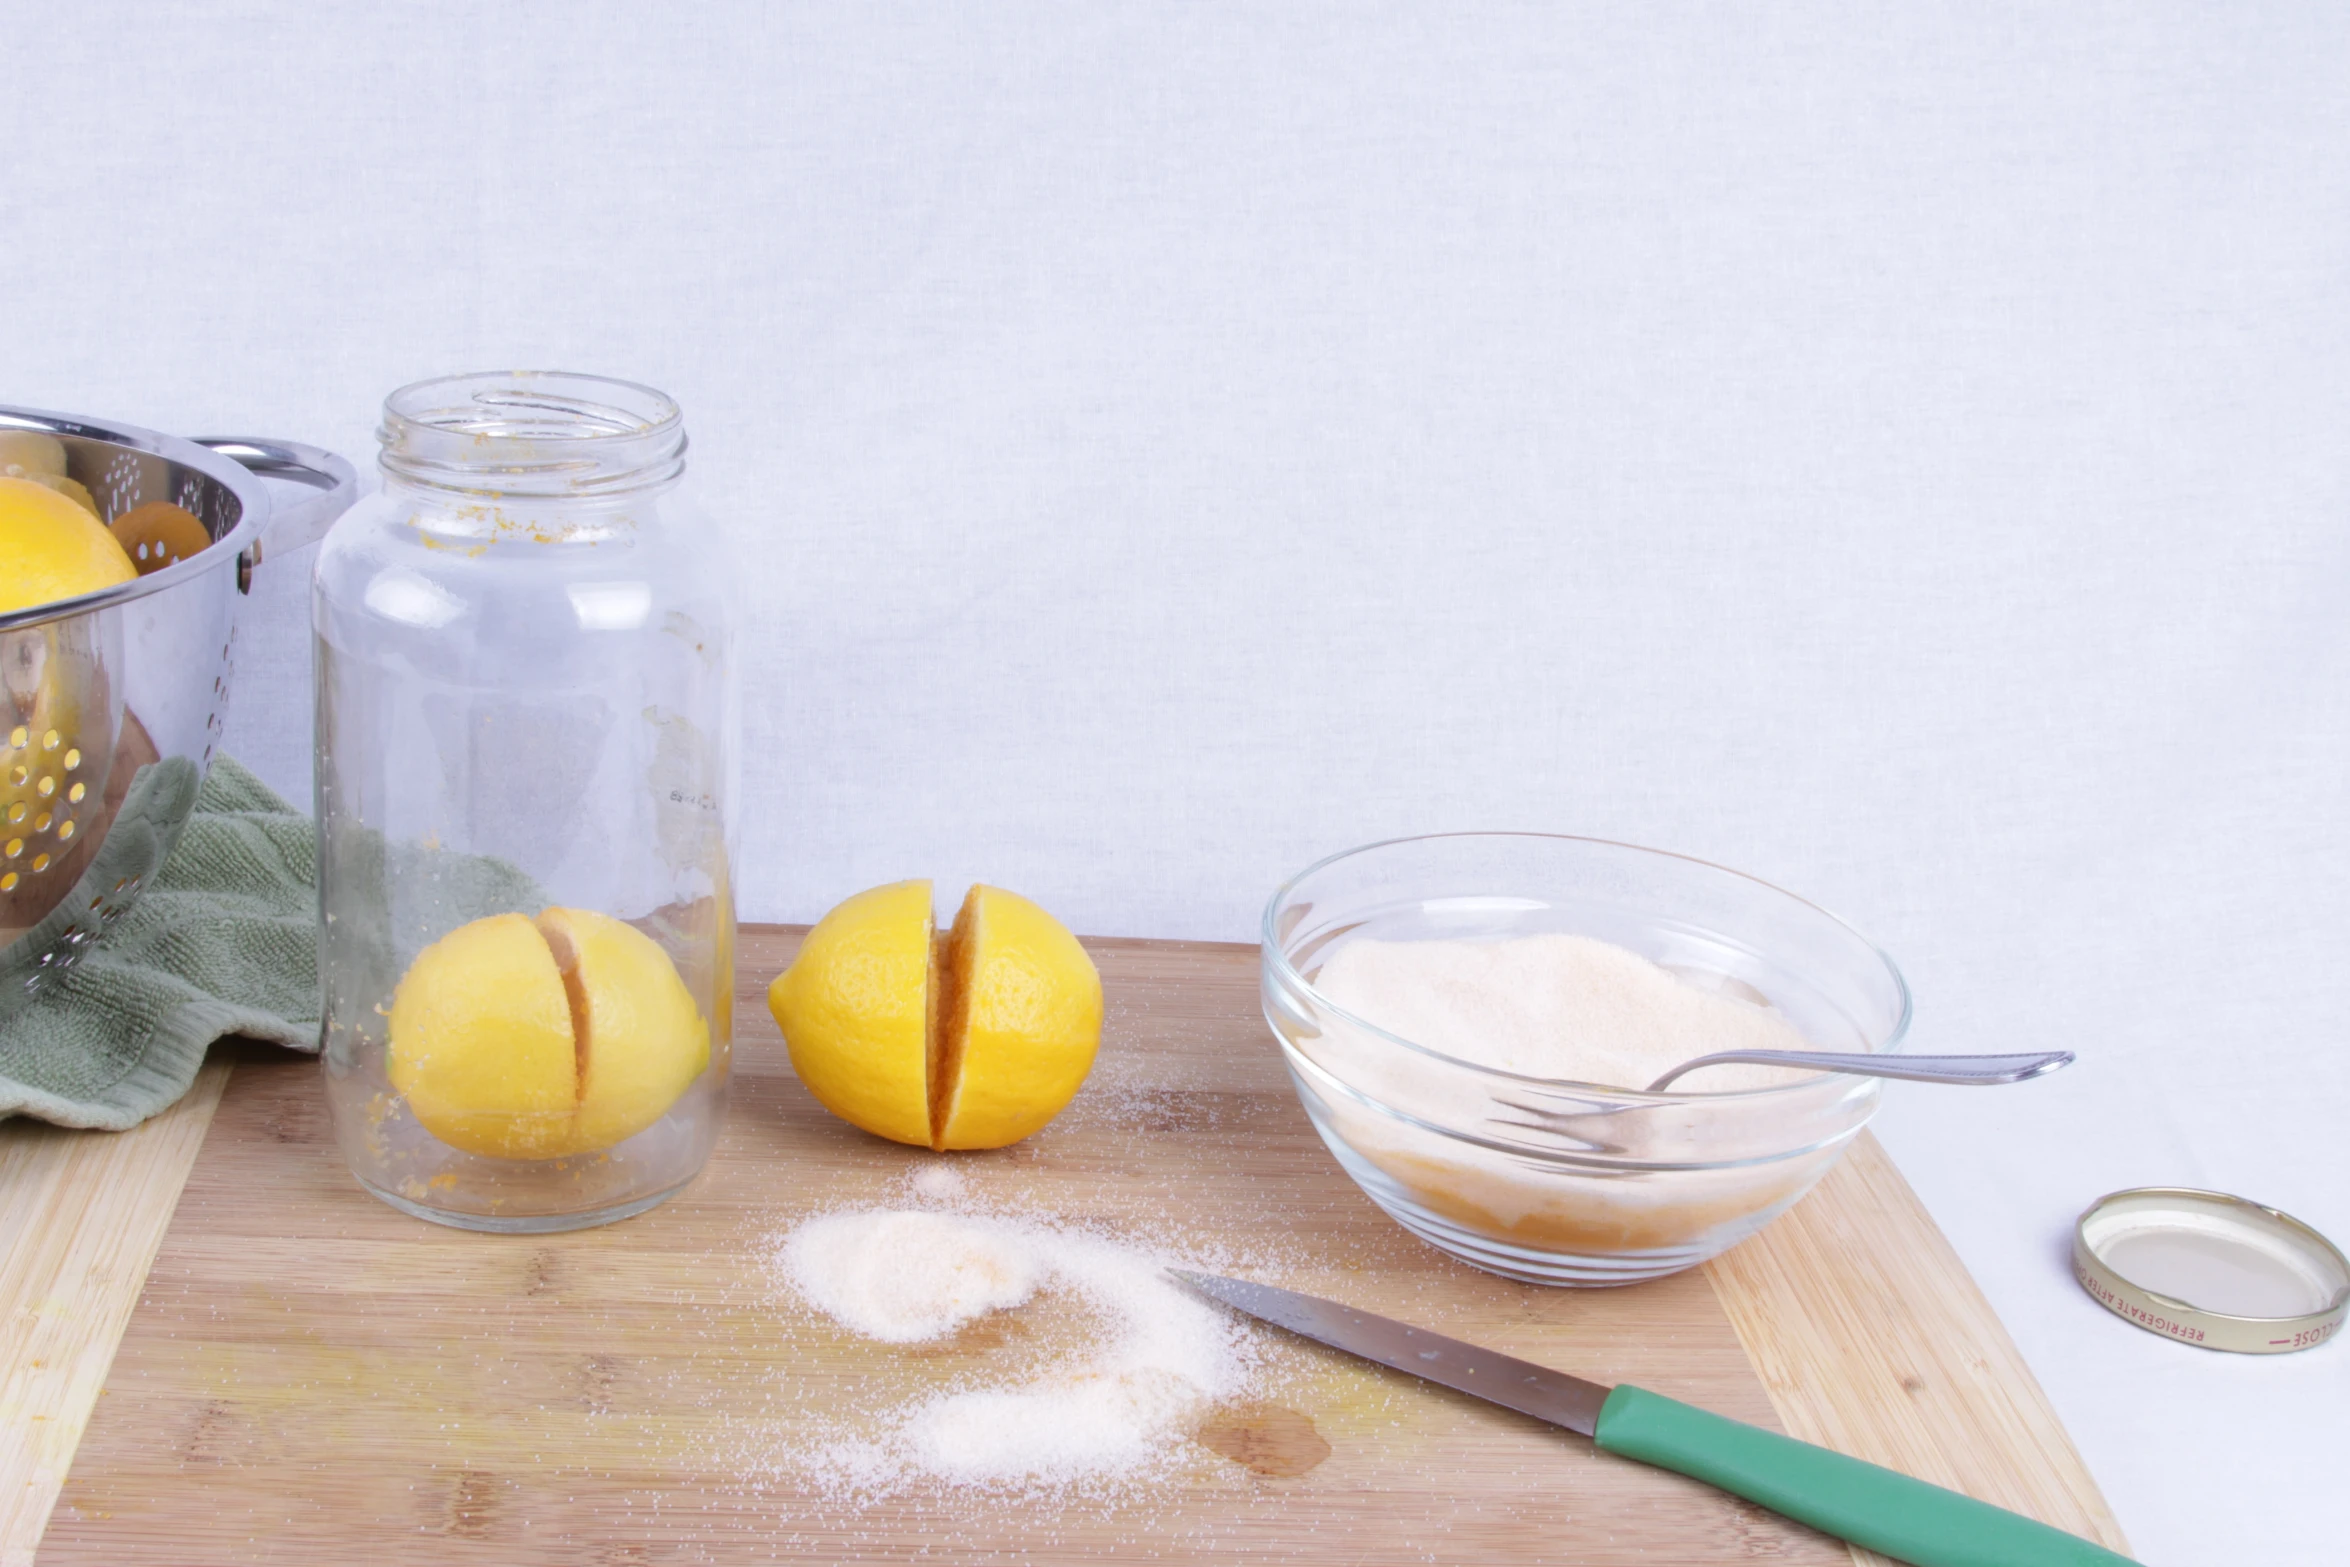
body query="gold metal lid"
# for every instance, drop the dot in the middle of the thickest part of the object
(2212, 1270)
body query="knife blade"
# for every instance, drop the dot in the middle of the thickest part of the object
(1882, 1509)
(1482, 1373)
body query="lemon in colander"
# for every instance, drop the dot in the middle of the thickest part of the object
(55, 549)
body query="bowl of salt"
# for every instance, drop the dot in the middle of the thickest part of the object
(1467, 1019)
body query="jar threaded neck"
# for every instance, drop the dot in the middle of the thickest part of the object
(532, 433)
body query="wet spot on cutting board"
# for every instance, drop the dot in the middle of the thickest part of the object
(213, 1435)
(290, 1123)
(473, 1505)
(1266, 1439)
(598, 1376)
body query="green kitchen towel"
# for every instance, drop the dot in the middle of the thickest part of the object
(222, 940)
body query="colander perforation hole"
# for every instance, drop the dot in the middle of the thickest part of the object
(120, 481)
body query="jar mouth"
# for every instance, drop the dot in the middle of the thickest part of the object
(532, 433)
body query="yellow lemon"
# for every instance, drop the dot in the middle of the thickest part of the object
(32, 454)
(855, 1008)
(54, 548)
(973, 1041)
(531, 1039)
(1021, 1016)
(29, 454)
(482, 1042)
(642, 1040)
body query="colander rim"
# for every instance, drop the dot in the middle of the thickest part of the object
(253, 506)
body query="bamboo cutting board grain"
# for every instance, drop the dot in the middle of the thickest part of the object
(311, 1377)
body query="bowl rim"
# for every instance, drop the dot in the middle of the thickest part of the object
(1274, 955)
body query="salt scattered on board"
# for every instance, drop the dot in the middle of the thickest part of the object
(905, 1276)
(939, 1181)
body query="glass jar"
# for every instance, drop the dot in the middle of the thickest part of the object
(526, 723)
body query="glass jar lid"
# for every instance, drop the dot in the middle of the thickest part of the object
(2212, 1270)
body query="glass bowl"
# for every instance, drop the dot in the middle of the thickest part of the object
(1558, 1182)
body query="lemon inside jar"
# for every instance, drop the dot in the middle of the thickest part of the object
(520, 1038)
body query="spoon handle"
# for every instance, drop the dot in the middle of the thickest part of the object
(1915, 1069)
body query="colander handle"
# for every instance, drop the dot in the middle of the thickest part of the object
(289, 527)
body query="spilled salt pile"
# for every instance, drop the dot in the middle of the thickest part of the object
(904, 1276)
(908, 1276)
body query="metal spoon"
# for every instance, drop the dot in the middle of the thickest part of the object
(1916, 1069)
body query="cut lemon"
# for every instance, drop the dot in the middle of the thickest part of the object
(531, 1039)
(971, 1040)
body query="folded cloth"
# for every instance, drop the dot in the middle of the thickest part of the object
(222, 940)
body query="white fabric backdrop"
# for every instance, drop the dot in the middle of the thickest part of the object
(1898, 451)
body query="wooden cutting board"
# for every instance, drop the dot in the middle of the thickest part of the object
(309, 1376)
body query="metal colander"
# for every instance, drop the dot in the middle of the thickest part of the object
(111, 704)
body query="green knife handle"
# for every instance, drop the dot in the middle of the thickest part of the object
(1884, 1510)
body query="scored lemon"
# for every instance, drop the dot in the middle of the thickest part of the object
(532, 1039)
(53, 548)
(973, 1040)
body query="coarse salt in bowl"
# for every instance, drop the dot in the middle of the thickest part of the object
(1549, 1180)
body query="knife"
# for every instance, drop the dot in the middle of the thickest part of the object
(1881, 1509)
